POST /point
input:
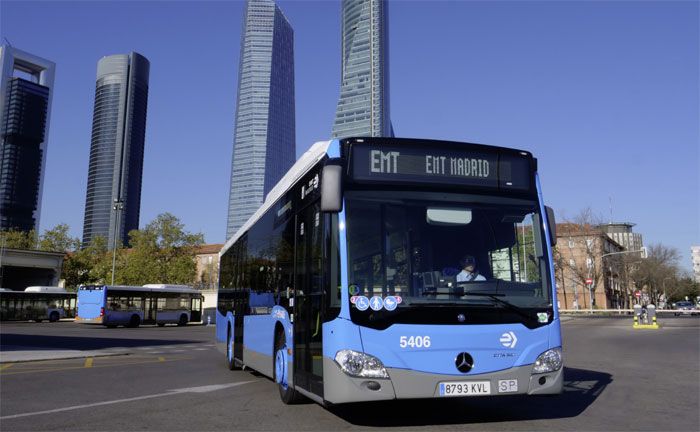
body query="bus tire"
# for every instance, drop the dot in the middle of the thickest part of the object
(37, 319)
(230, 361)
(161, 324)
(134, 321)
(54, 316)
(279, 371)
(183, 320)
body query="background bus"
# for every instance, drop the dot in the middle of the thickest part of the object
(345, 285)
(37, 303)
(131, 306)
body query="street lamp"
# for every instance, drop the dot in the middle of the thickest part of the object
(117, 207)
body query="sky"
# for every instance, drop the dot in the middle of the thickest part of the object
(604, 93)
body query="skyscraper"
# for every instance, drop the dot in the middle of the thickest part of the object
(264, 137)
(363, 107)
(26, 89)
(113, 200)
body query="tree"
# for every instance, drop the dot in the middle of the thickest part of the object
(14, 239)
(161, 253)
(658, 271)
(87, 266)
(58, 239)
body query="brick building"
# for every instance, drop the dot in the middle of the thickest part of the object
(579, 258)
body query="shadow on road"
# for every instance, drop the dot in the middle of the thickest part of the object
(581, 388)
(24, 342)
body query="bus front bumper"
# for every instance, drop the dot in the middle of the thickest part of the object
(407, 384)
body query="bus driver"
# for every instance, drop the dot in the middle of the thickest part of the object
(469, 272)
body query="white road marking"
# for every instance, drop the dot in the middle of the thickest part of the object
(202, 389)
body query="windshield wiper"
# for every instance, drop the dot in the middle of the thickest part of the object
(506, 304)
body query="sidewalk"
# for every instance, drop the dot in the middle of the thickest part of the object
(14, 354)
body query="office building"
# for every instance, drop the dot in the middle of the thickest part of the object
(695, 257)
(26, 89)
(113, 200)
(264, 136)
(363, 106)
(622, 233)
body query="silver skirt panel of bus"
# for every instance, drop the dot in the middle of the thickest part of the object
(407, 384)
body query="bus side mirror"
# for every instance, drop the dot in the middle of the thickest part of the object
(552, 224)
(332, 186)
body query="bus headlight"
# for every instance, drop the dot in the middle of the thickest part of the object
(548, 361)
(359, 364)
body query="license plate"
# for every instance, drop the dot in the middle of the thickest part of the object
(465, 388)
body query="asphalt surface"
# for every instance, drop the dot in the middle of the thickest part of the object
(173, 378)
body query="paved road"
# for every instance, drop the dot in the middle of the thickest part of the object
(172, 378)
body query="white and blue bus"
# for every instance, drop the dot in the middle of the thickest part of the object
(131, 306)
(37, 303)
(385, 268)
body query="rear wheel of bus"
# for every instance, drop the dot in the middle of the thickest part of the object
(281, 373)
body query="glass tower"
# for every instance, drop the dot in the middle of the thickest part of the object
(26, 84)
(264, 136)
(113, 200)
(363, 107)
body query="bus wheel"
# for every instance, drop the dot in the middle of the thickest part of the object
(281, 373)
(183, 320)
(134, 321)
(161, 324)
(37, 319)
(53, 317)
(230, 361)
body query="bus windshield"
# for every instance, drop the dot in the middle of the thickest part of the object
(433, 250)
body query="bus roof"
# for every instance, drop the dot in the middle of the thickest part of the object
(147, 288)
(303, 165)
(46, 289)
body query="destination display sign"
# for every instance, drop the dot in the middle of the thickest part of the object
(467, 167)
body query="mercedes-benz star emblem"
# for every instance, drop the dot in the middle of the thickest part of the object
(464, 362)
(461, 318)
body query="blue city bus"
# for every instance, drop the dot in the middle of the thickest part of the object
(350, 282)
(132, 306)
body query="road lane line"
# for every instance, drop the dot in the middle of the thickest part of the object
(128, 363)
(88, 362)
(202, 389)
(161, 359)
(6, 366)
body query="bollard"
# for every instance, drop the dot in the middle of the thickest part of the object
(651, 311)
(637, 315)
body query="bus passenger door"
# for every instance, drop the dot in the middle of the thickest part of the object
(196, 309)
(308, 299)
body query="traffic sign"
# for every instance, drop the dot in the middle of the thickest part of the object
(589, 281)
